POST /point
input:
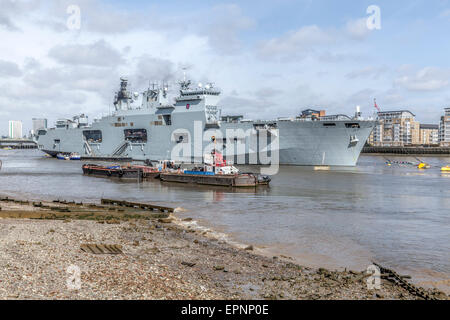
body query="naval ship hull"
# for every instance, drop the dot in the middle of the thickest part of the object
(192, 126)
(307, 143)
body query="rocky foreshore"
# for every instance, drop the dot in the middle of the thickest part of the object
(162, 258)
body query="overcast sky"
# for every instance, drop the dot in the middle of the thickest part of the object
(270, 58)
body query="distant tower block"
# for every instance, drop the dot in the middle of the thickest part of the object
(15, 129)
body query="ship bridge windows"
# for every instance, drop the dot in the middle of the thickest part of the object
(42, 132)
(352, 125)
(135, 135)
(329, 124)
(93, 136)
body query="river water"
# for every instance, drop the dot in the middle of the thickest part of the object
(396, 215)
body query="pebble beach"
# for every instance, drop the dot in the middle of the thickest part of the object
(162, 258)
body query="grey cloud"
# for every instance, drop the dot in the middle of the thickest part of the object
(28, 93)
(9, 69)
(99, 53)
(31, 64)
(149, 68)
(73, 81)
(6, 22)
(11, 10)
(268, 92)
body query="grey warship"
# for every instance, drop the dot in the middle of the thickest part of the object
(148, 126)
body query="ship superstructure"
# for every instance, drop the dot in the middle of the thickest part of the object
(148, 126)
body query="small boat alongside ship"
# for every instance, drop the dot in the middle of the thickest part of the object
(216, 171)
(75, 156)
(61, 156)
(71, 156)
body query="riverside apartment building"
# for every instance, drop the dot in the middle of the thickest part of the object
(395, 128)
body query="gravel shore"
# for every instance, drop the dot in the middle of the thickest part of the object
(162, 259)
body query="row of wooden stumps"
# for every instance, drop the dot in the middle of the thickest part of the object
(137, 205)
(393, 276)
(61, 209)
(109, 211)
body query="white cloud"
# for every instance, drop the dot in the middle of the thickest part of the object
(226, 21)
(48, 70)
(426, 79)
(367, 72)
(361, 97)
(445, 13)
(392, 96)
(99, 53)
(357, 29)
(296, 44)
(313, 40)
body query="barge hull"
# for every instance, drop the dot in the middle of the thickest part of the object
(217, 180)
(125, 174)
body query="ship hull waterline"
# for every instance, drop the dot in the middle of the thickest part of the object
(303, 143)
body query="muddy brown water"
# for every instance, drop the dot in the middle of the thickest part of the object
(340, 218)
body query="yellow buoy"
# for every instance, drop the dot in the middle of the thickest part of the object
(423, 165)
